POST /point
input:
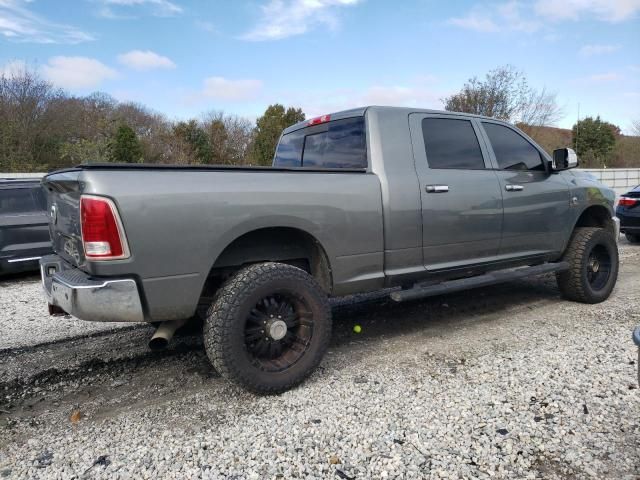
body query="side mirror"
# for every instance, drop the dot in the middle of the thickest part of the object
(563, 159)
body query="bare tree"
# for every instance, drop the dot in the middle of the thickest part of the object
(505, 94)
(230, 137)
(635, 127)
(25, 99)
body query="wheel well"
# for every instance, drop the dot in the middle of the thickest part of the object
(278, 244)
(596, 216)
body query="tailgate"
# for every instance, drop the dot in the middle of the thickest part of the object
(63, 191)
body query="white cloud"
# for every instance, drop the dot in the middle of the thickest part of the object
(398, 96)
(418, 92)
(475, 21)
(145, 60)
(608, 10)
(206, 26)
(602, 78)
(514, 15)
(76, 72)
(19, 24)
(234, 90)
(286, 18)
(508, 16)
(118, 9)
(591, 50)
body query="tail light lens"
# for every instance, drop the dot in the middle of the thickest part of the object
(627, 201)
(102, 233)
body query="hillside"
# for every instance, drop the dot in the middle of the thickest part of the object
(626, 153)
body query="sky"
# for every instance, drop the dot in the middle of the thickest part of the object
(187, 57)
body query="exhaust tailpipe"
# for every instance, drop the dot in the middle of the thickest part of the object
(164, 334)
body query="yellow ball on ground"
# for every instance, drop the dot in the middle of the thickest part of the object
(357, 328)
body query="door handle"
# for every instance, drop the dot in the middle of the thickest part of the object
(514, 188)
(437, 188)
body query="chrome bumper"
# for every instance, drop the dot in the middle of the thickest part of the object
(97, 300)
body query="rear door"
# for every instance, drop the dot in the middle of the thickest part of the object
(460, 193)
(536, 202)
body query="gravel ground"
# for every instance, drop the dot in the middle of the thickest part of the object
(502, 382)
(26, 321)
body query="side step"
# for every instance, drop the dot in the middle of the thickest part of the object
(487, 279)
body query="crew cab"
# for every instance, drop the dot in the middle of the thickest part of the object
(355, 201)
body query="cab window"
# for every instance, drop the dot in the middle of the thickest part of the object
(451, 143)
(512, 150)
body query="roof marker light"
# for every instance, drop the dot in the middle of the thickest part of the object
(319, 120)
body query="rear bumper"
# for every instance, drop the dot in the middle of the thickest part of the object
(629, 223)
(87, 298)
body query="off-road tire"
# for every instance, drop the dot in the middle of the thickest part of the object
(224, 330)
(632, 238)
(573, 283)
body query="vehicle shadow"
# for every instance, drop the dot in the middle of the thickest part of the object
(385, 317)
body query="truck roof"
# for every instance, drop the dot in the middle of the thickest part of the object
(360, 111)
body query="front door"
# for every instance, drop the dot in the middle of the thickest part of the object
(460, 194)
(536, 201)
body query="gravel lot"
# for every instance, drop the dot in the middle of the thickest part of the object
(503, 382)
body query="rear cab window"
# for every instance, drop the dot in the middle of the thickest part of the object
(22, 200)
(333, 145)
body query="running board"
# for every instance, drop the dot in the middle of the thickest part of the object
(485, 280)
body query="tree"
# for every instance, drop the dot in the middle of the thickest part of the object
(125, 146)
(27, 128)
(230, 137)
(635, 127)
(505, 94)
(268, 129)
(594, 140)
(195, 137)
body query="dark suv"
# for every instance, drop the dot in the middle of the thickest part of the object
(24, 230)
(628, 211)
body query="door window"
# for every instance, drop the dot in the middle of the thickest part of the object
(451, 143)
(512, 150)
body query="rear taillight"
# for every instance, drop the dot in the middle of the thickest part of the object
(627, 201)
(102, 233)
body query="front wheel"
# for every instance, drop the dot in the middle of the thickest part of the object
(592, 255)
(268, 327)
(632, 238)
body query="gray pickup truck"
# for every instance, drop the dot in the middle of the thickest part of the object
(356, 201)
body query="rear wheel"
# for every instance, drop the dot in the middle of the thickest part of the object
(592, 255)
(632, 238)
(268, 327)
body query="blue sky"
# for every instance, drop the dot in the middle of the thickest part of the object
(183, 58)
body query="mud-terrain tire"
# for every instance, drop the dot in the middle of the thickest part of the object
(632, 238)
(592, 255)
(244, 335)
